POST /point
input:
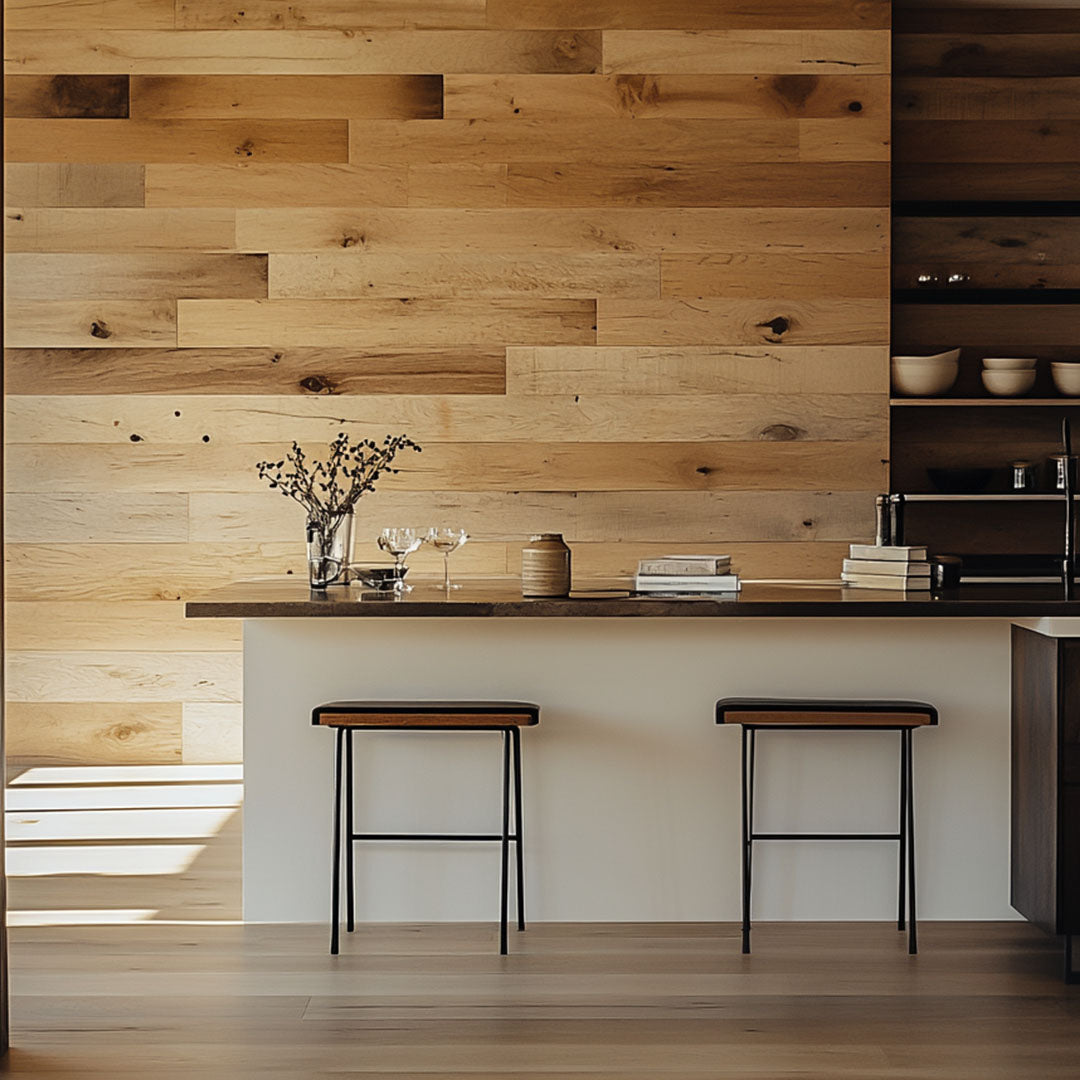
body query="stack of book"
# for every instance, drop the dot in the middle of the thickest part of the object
(687, 575)
(873, 567)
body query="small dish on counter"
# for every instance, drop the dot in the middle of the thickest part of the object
(1066, 376)
(1009, 383)
(379, 578)
(925, 376)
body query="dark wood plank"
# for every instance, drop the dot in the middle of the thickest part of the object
(1019, 18)
(1008, 182)
(1024, 55)
(989, 141)
(1010, 326)
(255, 371)
(73, 96)
(921, 97)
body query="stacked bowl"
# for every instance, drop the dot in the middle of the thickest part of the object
(925, 376)
(1007, 376)
(1066, 375)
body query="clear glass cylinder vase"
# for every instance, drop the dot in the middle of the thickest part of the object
(329, 549)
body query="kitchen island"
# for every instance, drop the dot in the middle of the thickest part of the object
(631, 791)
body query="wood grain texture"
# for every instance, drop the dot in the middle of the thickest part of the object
(1017, 326)
(302, 52)
(716, 97)
(989, 141)
(563, 230)
(619, 267)
(209, 141)
(90, 323)
(307, 97)
(303, 371)
(120, 276)
(85, 96)
(988, 98)
(987, 54)
(376, 323)
(332, 14)
(679, 15)
(1007, 182)
(73, 185)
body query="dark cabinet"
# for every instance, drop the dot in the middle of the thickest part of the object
(1045, 878)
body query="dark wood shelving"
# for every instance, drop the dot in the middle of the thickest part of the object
(1033, 295)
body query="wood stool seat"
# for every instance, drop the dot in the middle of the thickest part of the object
(507, 718)
(785, 714)
(426, 714)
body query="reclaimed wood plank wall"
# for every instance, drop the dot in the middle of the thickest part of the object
(621, 267)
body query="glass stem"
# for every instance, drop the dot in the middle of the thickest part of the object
(446, 570)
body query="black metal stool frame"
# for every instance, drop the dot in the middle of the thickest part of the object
(343, 754)
(905, 836)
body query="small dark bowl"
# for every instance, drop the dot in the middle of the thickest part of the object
(960, 481)
(378, 578)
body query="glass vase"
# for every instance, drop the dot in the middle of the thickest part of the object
(329, 549)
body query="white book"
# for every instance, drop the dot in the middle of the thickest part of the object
(689, 564)
(884, 566)
(887, 553)
(677, 583)
(881, 581)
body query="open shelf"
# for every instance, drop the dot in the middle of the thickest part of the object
(1059, 402)
(1002, 496)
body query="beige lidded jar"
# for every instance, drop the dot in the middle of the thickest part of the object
(545, 566)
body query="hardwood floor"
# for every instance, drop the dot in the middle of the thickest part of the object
(185, 992)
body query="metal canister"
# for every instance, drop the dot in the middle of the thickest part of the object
(545, 566)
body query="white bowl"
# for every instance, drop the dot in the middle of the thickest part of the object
(1002, 363)
(924, 376)
(1066, 378)
(1008, 383)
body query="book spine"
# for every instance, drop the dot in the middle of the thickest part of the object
(692, 567)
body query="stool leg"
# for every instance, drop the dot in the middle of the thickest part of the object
(335, 888)
(901, 917)
(349, 830)
(505, 845)
(913, 946)
(515, 738)
(748, 741)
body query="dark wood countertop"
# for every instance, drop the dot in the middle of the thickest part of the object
(286, 598)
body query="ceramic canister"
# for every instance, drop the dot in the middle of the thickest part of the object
(545, 566)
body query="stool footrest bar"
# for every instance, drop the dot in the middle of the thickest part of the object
(825, 836)
(432, 836)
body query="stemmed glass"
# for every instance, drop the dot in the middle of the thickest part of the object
(446, 541)
(400, 543)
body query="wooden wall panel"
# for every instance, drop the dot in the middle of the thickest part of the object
(620, 267)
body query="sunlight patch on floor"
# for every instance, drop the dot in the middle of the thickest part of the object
(127, 774)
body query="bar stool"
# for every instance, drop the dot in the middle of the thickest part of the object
(507, 717)
(780, 714)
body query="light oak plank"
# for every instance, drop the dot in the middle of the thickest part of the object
(501, 141)
(301, 52)
(988, 141)
(89, 15)
(868, 138)
(195, 141)
(503, 466)
(156, 572)
(466, 185)
(376, 323)
(47, 732)
(126, 230)
(569, 231)
(255, 184)
(212, 420)
(802, 276)
(332, 14)
(127, 276)
(680, 15)
(85, 96)
(752, 52)
(581, 184)
(717, 97)
(353, 275)
(308, 97)
(741, 322)
(90, 323)
(919, 97)
(77, 677)
(707, 516)
(72, 185)
(701, 369)
(97, 518)
(137, 625)
(212, 732)
(301, 371)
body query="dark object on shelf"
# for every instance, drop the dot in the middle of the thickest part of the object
(960, 481)
(930, 294)
(1067, 480)
(1045, 878)
(760, 714)
(945, 571)
(1024, 474)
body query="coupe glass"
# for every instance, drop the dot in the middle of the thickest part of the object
(446, 541)
(400, 543)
